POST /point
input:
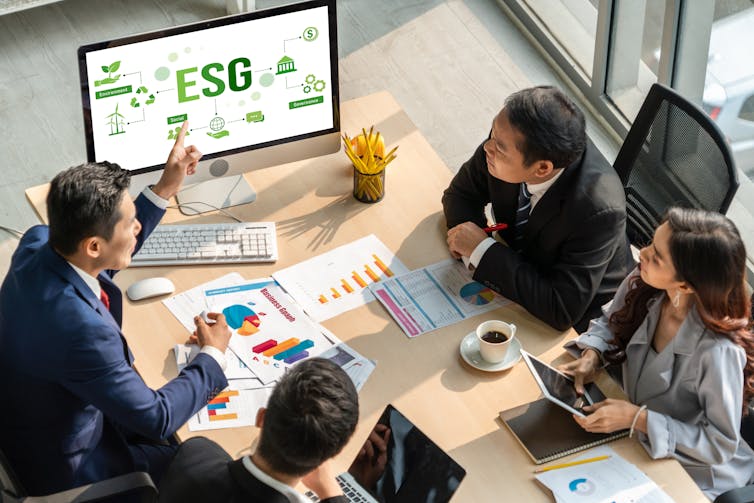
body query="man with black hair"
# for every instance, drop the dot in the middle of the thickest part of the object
(309, 418)
(565, 250)
(74, 409)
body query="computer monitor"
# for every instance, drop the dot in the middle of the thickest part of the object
(258, 89)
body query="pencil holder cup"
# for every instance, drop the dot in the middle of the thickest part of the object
(367, 155)
(368, 187)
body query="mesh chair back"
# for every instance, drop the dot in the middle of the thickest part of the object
(674, 155)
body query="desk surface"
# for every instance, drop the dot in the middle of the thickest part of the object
(425, 377)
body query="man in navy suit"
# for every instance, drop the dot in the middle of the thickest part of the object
(310, 416)
(74, 409)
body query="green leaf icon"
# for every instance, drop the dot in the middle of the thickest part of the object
(106, 69)
(114, 67)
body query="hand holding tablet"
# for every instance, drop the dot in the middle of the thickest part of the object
(582, 369)
(559, 388)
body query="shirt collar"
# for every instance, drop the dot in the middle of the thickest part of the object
(286, 490)
(91, 281)
(538, 190)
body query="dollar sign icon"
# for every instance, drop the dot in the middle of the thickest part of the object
(311, 33)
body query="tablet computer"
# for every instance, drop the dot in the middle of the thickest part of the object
(558, 387)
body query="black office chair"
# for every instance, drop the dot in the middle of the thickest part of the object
(673, 155)
(137, 486)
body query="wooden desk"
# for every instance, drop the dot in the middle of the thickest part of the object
(425, 378)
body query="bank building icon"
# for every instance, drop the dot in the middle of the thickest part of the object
(286, 65)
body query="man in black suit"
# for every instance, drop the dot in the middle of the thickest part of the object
(566, 248)
(310, 416)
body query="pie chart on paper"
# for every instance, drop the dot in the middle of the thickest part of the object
(476, 294)
(249, 326)
(241, 318)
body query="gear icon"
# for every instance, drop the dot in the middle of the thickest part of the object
(319, 86)
(307, 89)
(310, 78)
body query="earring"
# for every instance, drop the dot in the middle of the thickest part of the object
(677, 298)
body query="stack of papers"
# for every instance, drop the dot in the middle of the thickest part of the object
(275, 321)
(613, 480)
(270, 333)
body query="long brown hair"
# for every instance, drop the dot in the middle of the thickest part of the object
(708, 254)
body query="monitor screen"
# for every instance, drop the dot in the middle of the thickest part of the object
(245, 83)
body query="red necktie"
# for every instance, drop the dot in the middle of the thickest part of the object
(105, 298)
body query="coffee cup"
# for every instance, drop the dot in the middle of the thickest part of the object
(495, 338)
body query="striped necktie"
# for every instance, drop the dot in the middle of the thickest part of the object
(522, 216)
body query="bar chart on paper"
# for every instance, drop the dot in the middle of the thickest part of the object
(289, 351)
(338, 281)
(220, 408)
(230, 409)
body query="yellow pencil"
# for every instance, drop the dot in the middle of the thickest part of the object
(572, 463)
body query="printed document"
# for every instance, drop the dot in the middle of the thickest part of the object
(337, 281)
(435, 296)
(607, 481)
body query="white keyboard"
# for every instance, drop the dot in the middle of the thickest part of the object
(209, 244)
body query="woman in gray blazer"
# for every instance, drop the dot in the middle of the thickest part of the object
(680, 327)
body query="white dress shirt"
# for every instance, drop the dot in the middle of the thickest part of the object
(293, 495)
(537, 191)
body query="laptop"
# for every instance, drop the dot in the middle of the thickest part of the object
(559, 388)
(399, 464)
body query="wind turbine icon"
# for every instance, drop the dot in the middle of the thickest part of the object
(116, 122)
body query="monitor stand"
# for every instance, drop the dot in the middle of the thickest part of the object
(216, 193)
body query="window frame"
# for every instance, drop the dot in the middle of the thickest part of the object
(686, 29)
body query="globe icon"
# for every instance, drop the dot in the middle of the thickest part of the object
(217, 124)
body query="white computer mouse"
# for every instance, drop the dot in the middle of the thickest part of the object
(150, 287)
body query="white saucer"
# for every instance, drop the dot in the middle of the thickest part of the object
(470, 354)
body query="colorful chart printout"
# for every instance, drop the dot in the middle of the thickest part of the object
(338, 281)
(232, 408)
(242, 319)
(270, 332)
(435, 296)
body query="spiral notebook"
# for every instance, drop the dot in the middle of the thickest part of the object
(547, 431)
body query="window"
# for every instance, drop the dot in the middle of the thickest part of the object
(573, 23)
(634, 58)
(700, 48)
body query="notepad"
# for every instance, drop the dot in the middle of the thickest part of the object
(547, 431)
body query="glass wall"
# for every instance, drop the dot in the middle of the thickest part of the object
(728, 95)
(614, 50)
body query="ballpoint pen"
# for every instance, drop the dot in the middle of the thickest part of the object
(496, 227)
(571, 463)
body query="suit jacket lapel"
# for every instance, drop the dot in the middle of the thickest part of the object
(552, 201)
(657, 378)
(116, 310)
(636, 352)
(60, 266)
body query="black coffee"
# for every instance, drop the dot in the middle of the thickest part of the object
(494, 337)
